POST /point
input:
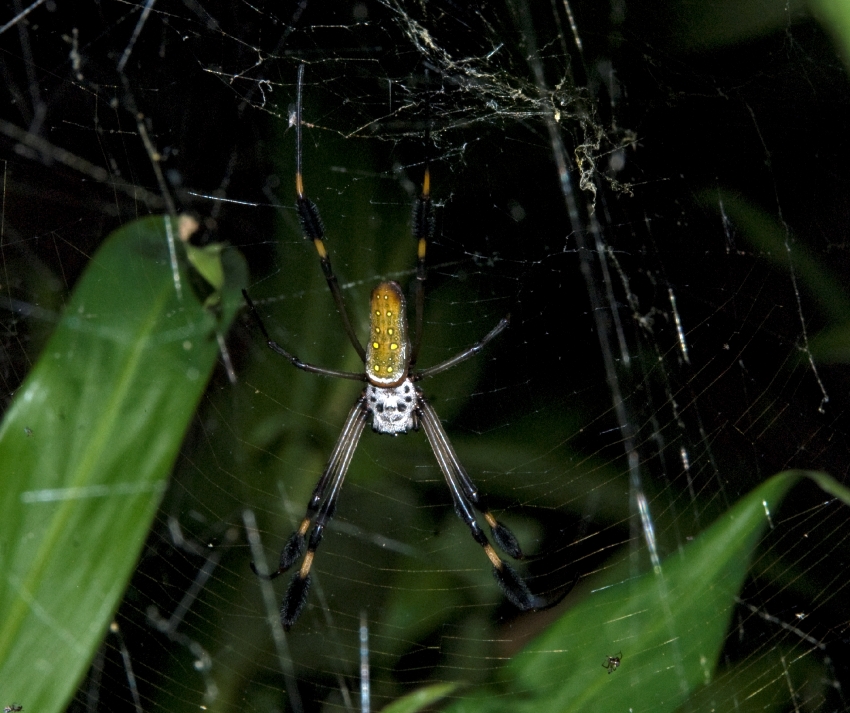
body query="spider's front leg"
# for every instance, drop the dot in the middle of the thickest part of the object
(466, 500)
(330, 483)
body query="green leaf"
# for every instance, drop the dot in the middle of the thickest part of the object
(87, 447)
(757, 676)
(669, 624)
(419, 699)
(207, 261)
(834, 15)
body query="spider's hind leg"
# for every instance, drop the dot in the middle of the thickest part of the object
(314, 230)
(423, 231)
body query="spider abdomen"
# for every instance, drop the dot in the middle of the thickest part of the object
(388, 350)
(393, 408)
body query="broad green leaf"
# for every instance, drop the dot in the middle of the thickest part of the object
(748, 683)
(834, 15)
(669, 624)
(421, 698)
(86, 449)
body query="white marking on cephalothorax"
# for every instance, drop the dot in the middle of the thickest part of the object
(393, 409)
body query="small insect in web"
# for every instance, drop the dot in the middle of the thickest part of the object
(394, 402)
(14, 708)
(612, 663)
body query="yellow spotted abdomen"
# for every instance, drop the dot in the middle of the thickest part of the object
(388, 351)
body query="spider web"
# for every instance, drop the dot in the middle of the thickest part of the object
(655, 195)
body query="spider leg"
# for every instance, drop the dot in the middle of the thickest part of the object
(347, 440)
(467, 353)
(505, 539)
(294, 360)
(460, 486)
(423, 231)
(313, 229)
(331, 481)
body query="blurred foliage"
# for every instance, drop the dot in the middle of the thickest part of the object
(775, 242)
(87, 447)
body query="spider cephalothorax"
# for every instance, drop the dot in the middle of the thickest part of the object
(394, 402)
(394, 409)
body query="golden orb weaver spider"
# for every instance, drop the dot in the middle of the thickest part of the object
(394, 402)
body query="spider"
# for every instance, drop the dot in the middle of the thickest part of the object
(394, 402)
(612, 663)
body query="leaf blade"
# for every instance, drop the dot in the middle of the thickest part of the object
(86, 449)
